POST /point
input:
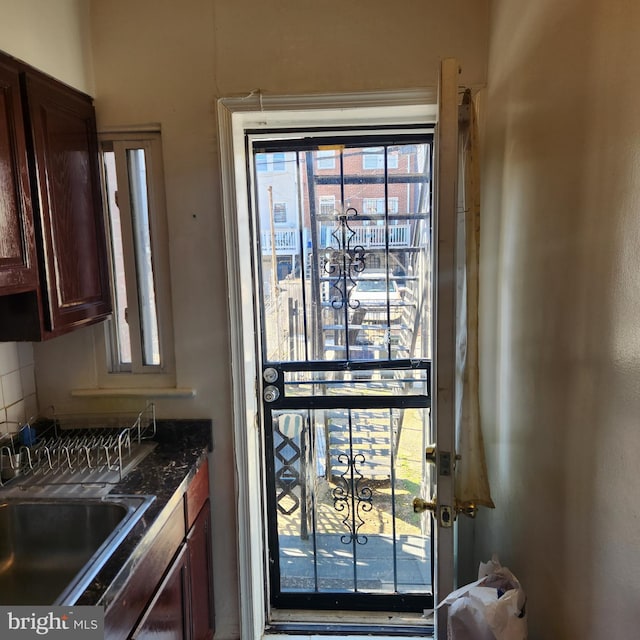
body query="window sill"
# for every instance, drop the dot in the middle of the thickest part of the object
(137, 392)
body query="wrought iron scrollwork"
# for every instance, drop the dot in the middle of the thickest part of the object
(343, 261)
(352, 498)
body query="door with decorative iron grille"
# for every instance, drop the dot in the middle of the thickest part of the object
(343, 232)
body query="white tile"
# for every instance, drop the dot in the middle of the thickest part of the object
(15, 413)
(25, 353)
(4, 428)
(9, 360)
(11, 387)
(28, 379)
(1, 397)
(31, 406)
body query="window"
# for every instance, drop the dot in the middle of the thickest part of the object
(376, 205)
(278, 162)
(326, 159)
(139, 335)
(279, 212)
(327, 205)
(270, 162)
(373, 158)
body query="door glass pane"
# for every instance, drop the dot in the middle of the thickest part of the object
(356, 382)
(345, 253)
(345, 481)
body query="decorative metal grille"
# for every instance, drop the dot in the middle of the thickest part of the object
(352, 498)
(344, 261)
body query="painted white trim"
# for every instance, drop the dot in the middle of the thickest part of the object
(243, 374)
(235, 116)
(444, 316)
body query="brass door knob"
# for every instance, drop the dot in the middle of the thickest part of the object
(420, 505)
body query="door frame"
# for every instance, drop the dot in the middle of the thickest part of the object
(235, 116)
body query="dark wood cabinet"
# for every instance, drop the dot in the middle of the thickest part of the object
(18, 267)
(182, 607)
(165, 616)
(200, 578)
(170, 594)
(68, 229)
(71, 222)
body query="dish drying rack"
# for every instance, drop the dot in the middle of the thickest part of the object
(74, 449)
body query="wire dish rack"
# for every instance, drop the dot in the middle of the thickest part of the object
(75, 449)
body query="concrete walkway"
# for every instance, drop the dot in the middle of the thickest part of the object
(332, 563)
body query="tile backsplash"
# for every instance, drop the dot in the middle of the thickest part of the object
(18, 400)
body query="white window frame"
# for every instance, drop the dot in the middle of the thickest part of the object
(111, 373)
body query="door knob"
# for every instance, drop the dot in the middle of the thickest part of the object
(271, 393)
(441, 512)
(420, 505)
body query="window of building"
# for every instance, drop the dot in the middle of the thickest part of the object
(271, 161)
(279, 212)
(278, 161)
(326, 159)
(139, 336)
(377, 205)
(373, 158)
(327, 205)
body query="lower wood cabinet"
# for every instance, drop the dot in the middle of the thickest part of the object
(167, 614)
(171, 600)
(200, 582)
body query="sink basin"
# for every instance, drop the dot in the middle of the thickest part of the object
(51, 549)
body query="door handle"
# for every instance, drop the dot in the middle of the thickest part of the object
(441, 512)
(420, 505)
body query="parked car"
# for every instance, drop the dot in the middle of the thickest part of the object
(372, 292)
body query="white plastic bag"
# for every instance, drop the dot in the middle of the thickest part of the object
(492, 608)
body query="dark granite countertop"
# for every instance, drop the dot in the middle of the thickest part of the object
(164, 473)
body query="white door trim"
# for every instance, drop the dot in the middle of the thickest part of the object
(235, 116)
(444, 318)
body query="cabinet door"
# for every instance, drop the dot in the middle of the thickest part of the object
(71, 220)
(199, 545)
(18, 268)
(167, 615)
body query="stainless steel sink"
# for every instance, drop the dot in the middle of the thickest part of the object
(51, 548)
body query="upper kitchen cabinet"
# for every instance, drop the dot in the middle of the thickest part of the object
(70, 239)
(18, 268)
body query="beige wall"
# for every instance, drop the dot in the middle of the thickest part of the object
(51, 36)
(560, 299)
